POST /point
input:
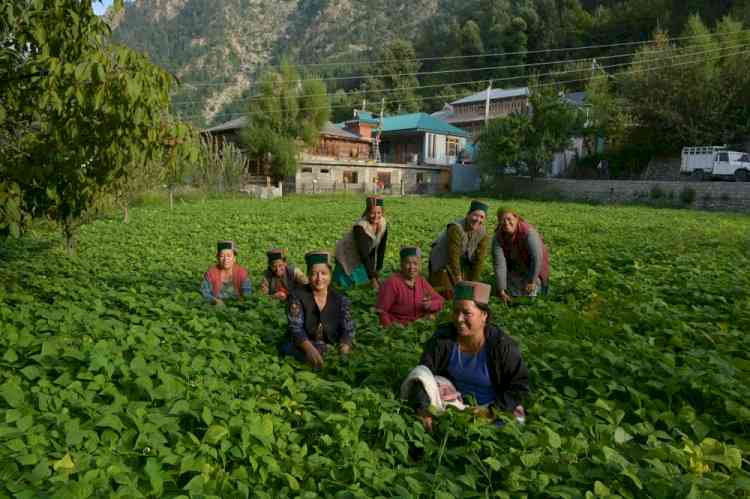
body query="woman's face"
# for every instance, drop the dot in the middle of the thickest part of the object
(468, 318)
(508, 222)
(226, 259)
(475, 220)
(410, 266)
(320, 276)
(375, 214)
(278, 268)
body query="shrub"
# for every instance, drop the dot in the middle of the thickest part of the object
(687, 195)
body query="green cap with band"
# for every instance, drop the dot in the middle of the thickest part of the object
(479, 292)
(478, 205)
(275, 254)
(226, 245)
(374, 201)
(315, 257)
(408, 251)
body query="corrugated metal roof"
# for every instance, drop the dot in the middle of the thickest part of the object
(365, 117)
(335, 131)
(420, 122)
(234, 124)
(495, 93)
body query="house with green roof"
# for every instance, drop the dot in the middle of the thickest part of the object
(419, 138)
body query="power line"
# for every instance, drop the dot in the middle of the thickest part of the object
(555, 83)
(418, 73)
(520, 52)
(508, 78)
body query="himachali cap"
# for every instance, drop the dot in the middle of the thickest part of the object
(478, 205)
(374, 201)
(407, 251)
(275, 254)
(314, 257)
(226, 245)
(470, 290)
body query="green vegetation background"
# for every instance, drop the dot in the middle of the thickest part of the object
(116, 380)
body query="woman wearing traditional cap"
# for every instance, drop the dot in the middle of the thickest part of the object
(459, 251)
(520, 258)
(361, 252)
(407, 296)
(318, 317)
(472, 355)
(281, 277)
(225, 280)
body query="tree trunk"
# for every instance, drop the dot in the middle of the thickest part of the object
(126, 214)
(171, 199)
(69, 237)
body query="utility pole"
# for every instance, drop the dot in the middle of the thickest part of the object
(380, 129)
(487, 105)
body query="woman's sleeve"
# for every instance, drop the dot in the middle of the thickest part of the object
(513, 375)
(454, 253)
(500, 266)
(536, 254)
(347, 323)
(386, 298)
(295, 316)
(481, 254)
(381, 251)
(362, 241)
(436, 301)
(206, 289)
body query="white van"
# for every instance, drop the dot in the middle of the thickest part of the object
(707, 162)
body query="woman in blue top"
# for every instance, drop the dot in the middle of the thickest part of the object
(476, 356)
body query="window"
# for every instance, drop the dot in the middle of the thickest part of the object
(432, 148)
(306, 170)
(451, 147)
(723, 156)
(325, 170)
(384, 179)
(745, 158)
(420, 178)
(350, 177)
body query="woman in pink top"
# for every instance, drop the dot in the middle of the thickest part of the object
(407, 296)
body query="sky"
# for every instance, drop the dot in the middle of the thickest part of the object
(101, 6)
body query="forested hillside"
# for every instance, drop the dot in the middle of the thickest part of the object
(217, 47)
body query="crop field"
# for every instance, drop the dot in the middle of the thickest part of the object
(117, 381)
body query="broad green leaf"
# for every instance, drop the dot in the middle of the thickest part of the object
(553, 439)
(621, 436)
(110, 421)
(206, 415)
(64, 465)
(12, 393)
(215, 434)
(493, 463)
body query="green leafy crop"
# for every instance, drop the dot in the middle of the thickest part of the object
(117, 381)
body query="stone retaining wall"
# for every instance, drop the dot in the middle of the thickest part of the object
(709, 195)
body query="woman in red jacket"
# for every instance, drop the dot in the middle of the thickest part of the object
(520, 258)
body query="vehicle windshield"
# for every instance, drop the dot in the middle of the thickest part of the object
(745, 158)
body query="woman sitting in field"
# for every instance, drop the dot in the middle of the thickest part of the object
(407, 296)
(469, 357)
(281, 277)
(226, 280)
(361, 252)
(459, 251)
(520, 258)
(317, 316)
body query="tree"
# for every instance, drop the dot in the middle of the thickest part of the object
(529, 141)
(396, 69)
(287, 111)
(607, 118)
(88, 108)
(700, 98)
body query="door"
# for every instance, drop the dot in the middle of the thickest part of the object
(722, 165)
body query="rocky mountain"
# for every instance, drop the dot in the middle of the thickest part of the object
(216, 47)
